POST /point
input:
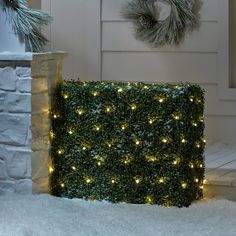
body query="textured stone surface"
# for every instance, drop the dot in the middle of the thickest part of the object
(39, 85)
(13, 129)
(24, 85)
(8, 79)
(2, 100)
(23, 71)
(24, 186)
(3, 174)
(24, 120)
(18, 103)
(7, 187)
(18, 163)
(40, 102)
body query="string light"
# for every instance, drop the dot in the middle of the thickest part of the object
(60, 151)
(62, 185)
(184, 185)
(73, 168)
(145, 87)
(108, 109)
(184, 140)
(66, 96)
(204, 181)
(196, 180)
(191, 166)
(52, 135)
(194, 124)
(99, 163)
(198, 145)
(151, 158)
(161, 100)
(204, 140)
(70, 132)
(161, 180)
(165, 140)
(133, 107)
(113, 181)
(148, 200)
(137, 142)
(201, 165)
(137, 180)
(84, 148)
(88, 180)
(123, 127)
(51, 170)
(55, 116)
(191, 98)
(120, 90)
(97, 127)
(95, 93)
(201, 187)
(80, 111)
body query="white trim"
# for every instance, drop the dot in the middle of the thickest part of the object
(94, 40)
(225, 92)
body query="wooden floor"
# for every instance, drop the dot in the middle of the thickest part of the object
(220, 162)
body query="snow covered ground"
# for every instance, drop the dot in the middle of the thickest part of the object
(48, 216)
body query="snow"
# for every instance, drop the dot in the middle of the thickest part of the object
(44, 215)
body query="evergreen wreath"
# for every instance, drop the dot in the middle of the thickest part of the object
(27, 23)
(170, 31)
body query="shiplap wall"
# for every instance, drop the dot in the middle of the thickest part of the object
(102, 46)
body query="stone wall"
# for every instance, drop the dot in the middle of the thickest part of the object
(26, 82)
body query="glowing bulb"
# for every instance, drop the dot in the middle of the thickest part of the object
(201, 165)
(175, 162)
(95, 94)
(177, 117)
(120, 90)
(161, 180)
(50, 169)
(88, 180)
(137, 142)
(113, 181)
(109, 145)
(84, 148)
(70, 132)
(123, 127)
(52, 135)
(55, 116)
(99, 163)
(191, 99)
(184, 140)
(98, 128)
(62, 185)
(204, 181)
(191, 166)
(60, 152)
(137, 181)
(65, 96)
(108, 109)
(145, 87)
(133, 107)
(204, 140)
(80, 111)
(73, 168)
(164, 140)
(196, 180)
(194, 124)
(201, 187)
(161, 100)
(184, 185)
(198, 145)
(149, 200)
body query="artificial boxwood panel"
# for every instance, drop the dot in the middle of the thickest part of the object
(128, 142)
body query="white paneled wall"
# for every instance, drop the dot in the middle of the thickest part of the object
(102, 46)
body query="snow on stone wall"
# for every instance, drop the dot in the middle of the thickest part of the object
(25, 87)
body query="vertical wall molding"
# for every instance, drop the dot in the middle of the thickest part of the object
(94, 39)
(225, 92)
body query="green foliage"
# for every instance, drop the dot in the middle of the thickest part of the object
(27, 23)
(131, 142)
(170, 31)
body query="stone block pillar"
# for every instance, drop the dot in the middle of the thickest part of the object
(26, 84)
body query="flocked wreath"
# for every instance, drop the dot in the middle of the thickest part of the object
(145, 15)
(26, 23)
